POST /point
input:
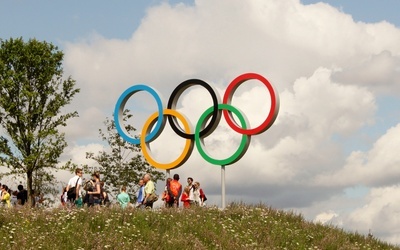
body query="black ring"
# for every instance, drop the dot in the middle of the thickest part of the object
(216, 114)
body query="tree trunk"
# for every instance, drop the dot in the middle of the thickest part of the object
(29, 179)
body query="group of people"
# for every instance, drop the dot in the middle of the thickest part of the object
(172, 195)
(95, 194)
(6, 195)
(190, 195)
(146, 195)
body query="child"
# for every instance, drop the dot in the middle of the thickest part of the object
(165, 195)
(123, 198)
(185, 197)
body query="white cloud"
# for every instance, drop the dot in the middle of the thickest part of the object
(325, 216)
(379, 215)
(380, 72)
(377, 167)
(327, 69)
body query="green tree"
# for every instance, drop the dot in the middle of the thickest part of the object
(122, 164)
(32, 95)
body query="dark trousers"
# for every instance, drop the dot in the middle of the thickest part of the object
(149, 204)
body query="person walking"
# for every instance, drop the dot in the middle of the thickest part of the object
(149, 191)
(73, 187)
(22, 196)
(140, 194)
(123, 198)
(5, 196)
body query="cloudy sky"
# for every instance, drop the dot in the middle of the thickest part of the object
(331, 153)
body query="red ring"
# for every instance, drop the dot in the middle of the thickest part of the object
(273, 113)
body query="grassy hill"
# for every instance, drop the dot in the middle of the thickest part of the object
(237, 227)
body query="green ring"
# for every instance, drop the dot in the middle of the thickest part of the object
(244, 144)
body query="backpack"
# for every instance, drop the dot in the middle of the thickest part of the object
(174, 187)
(203, 195)
(71, 194)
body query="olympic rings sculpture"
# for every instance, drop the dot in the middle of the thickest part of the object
(158, 120)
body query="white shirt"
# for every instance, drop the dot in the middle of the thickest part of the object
(72, 181)
(191, 196)
(196, 196)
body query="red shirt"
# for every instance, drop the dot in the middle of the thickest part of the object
(185, 200)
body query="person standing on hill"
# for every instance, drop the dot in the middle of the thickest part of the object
(63, 197)
(191, 188)
(166, 197)
(202, 195)
(75, 182)
(123, 198)
(22, 195)
(5, 196)
(140, 195)
(199, 196)
(196, 194)
(149, 189)
(97, 194)
(105, 199)
(175, 191)
(185, 197)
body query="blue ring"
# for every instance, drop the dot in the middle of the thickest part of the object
(119, 109)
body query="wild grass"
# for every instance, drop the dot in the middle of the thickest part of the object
(239, 226)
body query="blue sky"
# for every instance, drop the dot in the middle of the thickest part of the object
(368, 10)
(58, 21)
(338, 80)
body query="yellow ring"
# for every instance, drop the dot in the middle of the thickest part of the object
(187, 151)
